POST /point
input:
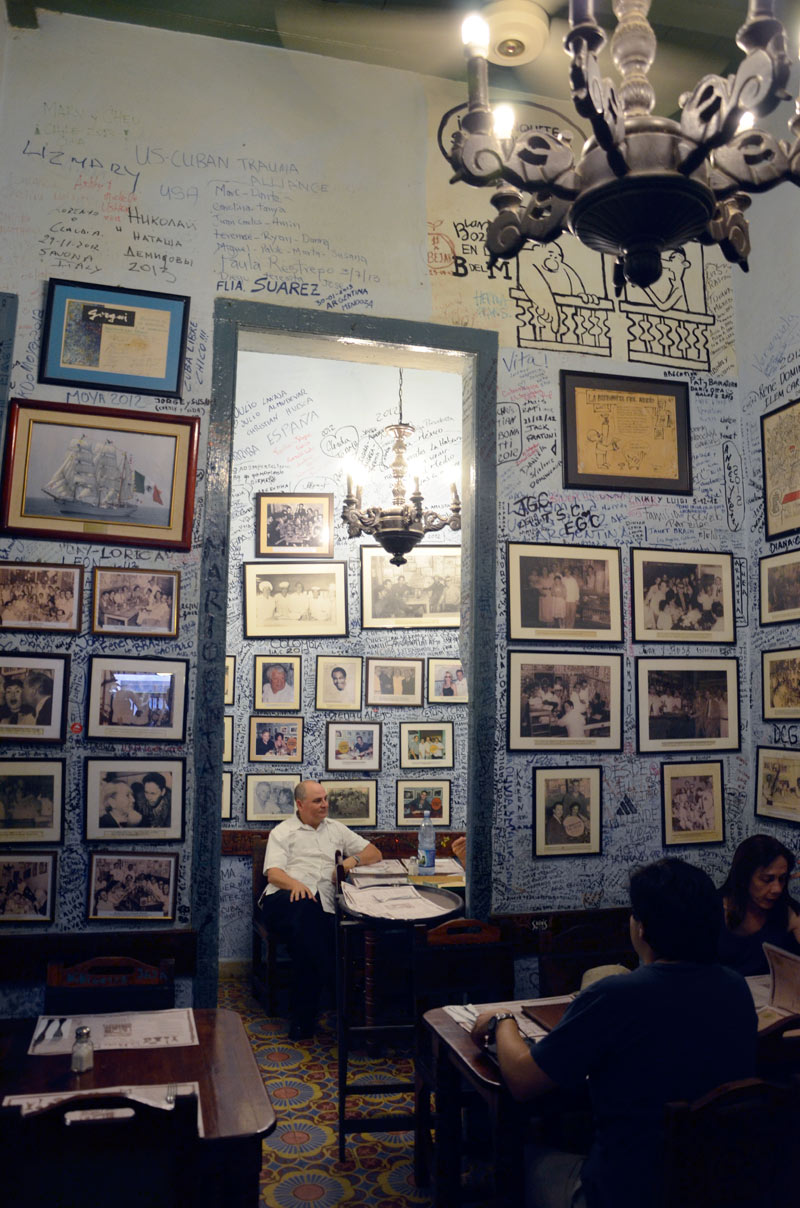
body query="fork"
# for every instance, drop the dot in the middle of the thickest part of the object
(60, 1029)
(172, 1091)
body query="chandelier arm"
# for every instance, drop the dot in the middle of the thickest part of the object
(433, 521)
(753, 161)
(539, 159)
(595, 98)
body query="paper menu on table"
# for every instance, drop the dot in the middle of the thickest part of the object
(784, 988)
(119, 1030)
(158, 1095)
(392, 902)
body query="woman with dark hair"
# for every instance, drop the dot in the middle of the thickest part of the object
(758, 908)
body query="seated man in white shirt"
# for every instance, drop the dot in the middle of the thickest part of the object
(300, 867)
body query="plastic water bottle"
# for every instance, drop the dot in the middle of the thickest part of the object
(427, 847)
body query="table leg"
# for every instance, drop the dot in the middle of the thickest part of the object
(508, 1140)
(447, 1148)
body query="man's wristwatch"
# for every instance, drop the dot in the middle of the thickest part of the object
(490, 1040)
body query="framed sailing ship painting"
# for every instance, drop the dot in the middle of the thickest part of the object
(100, 475)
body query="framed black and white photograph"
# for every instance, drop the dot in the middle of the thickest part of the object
(34, 691)
(297, 600)
(28, 887)
(692, 803)
(225, 796)
(564, 702)
(778, 784)
(780, 439)
(269, 797)
(567, 811)
(227, 738)
(229, 697)
(395, 682)
(563, 593)
(447, 683)
(682, 596)
(141, 799)
(353, 802)
(426, 744)
(780, 680)
(687, 704)
(294, 526)
(414, 797)
(779, 582)
(137, 699)
(423, 593)
(277, 682)
(276, 739)
(338, 682)
(31, 800)
(40, 597)
(136, 603)
(353, 746)
(132, 886)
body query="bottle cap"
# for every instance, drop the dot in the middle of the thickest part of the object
(82, 1032)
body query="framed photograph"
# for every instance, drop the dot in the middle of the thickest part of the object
(779, 582)
(682, 596)
(276, 739)
(424, 593)
(99, 475)
(139, 800)
(354, 802)
(780, 680)
(225, 796)
(338, 682)
(692, 803)
(277, 682)
(129, 886)
(109, 338)
(31, 800)
(564, 702)
(780, 438)
(304, 600)
(294, 526)
(447, 683)
(567, 811)
(687, 704)
(353, 746)
(28, 887)
(138, 603)
(395, 681)
(138, 699)
(34, 689)
(40, 597)
(625, 433)
(563, 593)
(227, 738)
(426, 744)
(778, 784)
(414, 797)
(230, 680)
(269, 798)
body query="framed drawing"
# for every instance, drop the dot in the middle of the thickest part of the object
(136, 603)
(780, 437)
(225, 796)
(686, 704)
(31, 800)
(447, 684)
(338, 681)
(625, 434)
(563, 593)
(227, 738)
(567, 811)
(426, 744)
(779, 582)
(304, 600)
(414, 797)
(778, 784)
(424, 593)
(109, 338)
(269, 798)
(277, 682)
(682, 596)
(28, 887)
(276, 739)
(354, 802)
(564, 702)
(34, 690)
(353, 746)
(294, 526)
(40, 597)
(140, 700)
(228, 697)
(99, 475)
(692, 803)
(131, 886)
(139, 800)
(395, 681)
(780, 681)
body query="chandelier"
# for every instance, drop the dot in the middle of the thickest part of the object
(644, 184)
(398, 528)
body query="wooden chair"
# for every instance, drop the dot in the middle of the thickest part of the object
(270, 967)
(580, 942)
(109, 983)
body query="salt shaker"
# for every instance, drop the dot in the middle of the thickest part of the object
(82, 1051)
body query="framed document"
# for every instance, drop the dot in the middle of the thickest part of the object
(780, 438)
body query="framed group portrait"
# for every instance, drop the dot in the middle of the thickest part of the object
(338, 685)
(354, 802)
(353, 746)
(137, 699)
(564, 702)
(276, 739)
(141, 799)
(132, 886)
(692, 803)
(294, 526)
(269, 797)
(567, 811)
(780, 681)
(447, 683)
(563, 593)
(34, 690)
(28, 887)
(426, 744)
(395, 682)
(779, 583)
(277, 682)
(136, 603)
(40, 597)
(299, 600)
(682, 596)
(778, 784)
(687, 704)
(780, 439)
(414, 797)
(423, 593)
(31, 800)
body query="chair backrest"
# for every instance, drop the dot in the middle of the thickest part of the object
(598, 938)
(737, 1147)
(259, 879)
(109, 983)
(462, 960)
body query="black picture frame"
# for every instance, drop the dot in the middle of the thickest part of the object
(45, 724)
(693, 803)
(682, 723)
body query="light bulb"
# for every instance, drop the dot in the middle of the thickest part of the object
(504, 119)
(746, 121)
(475, 35)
